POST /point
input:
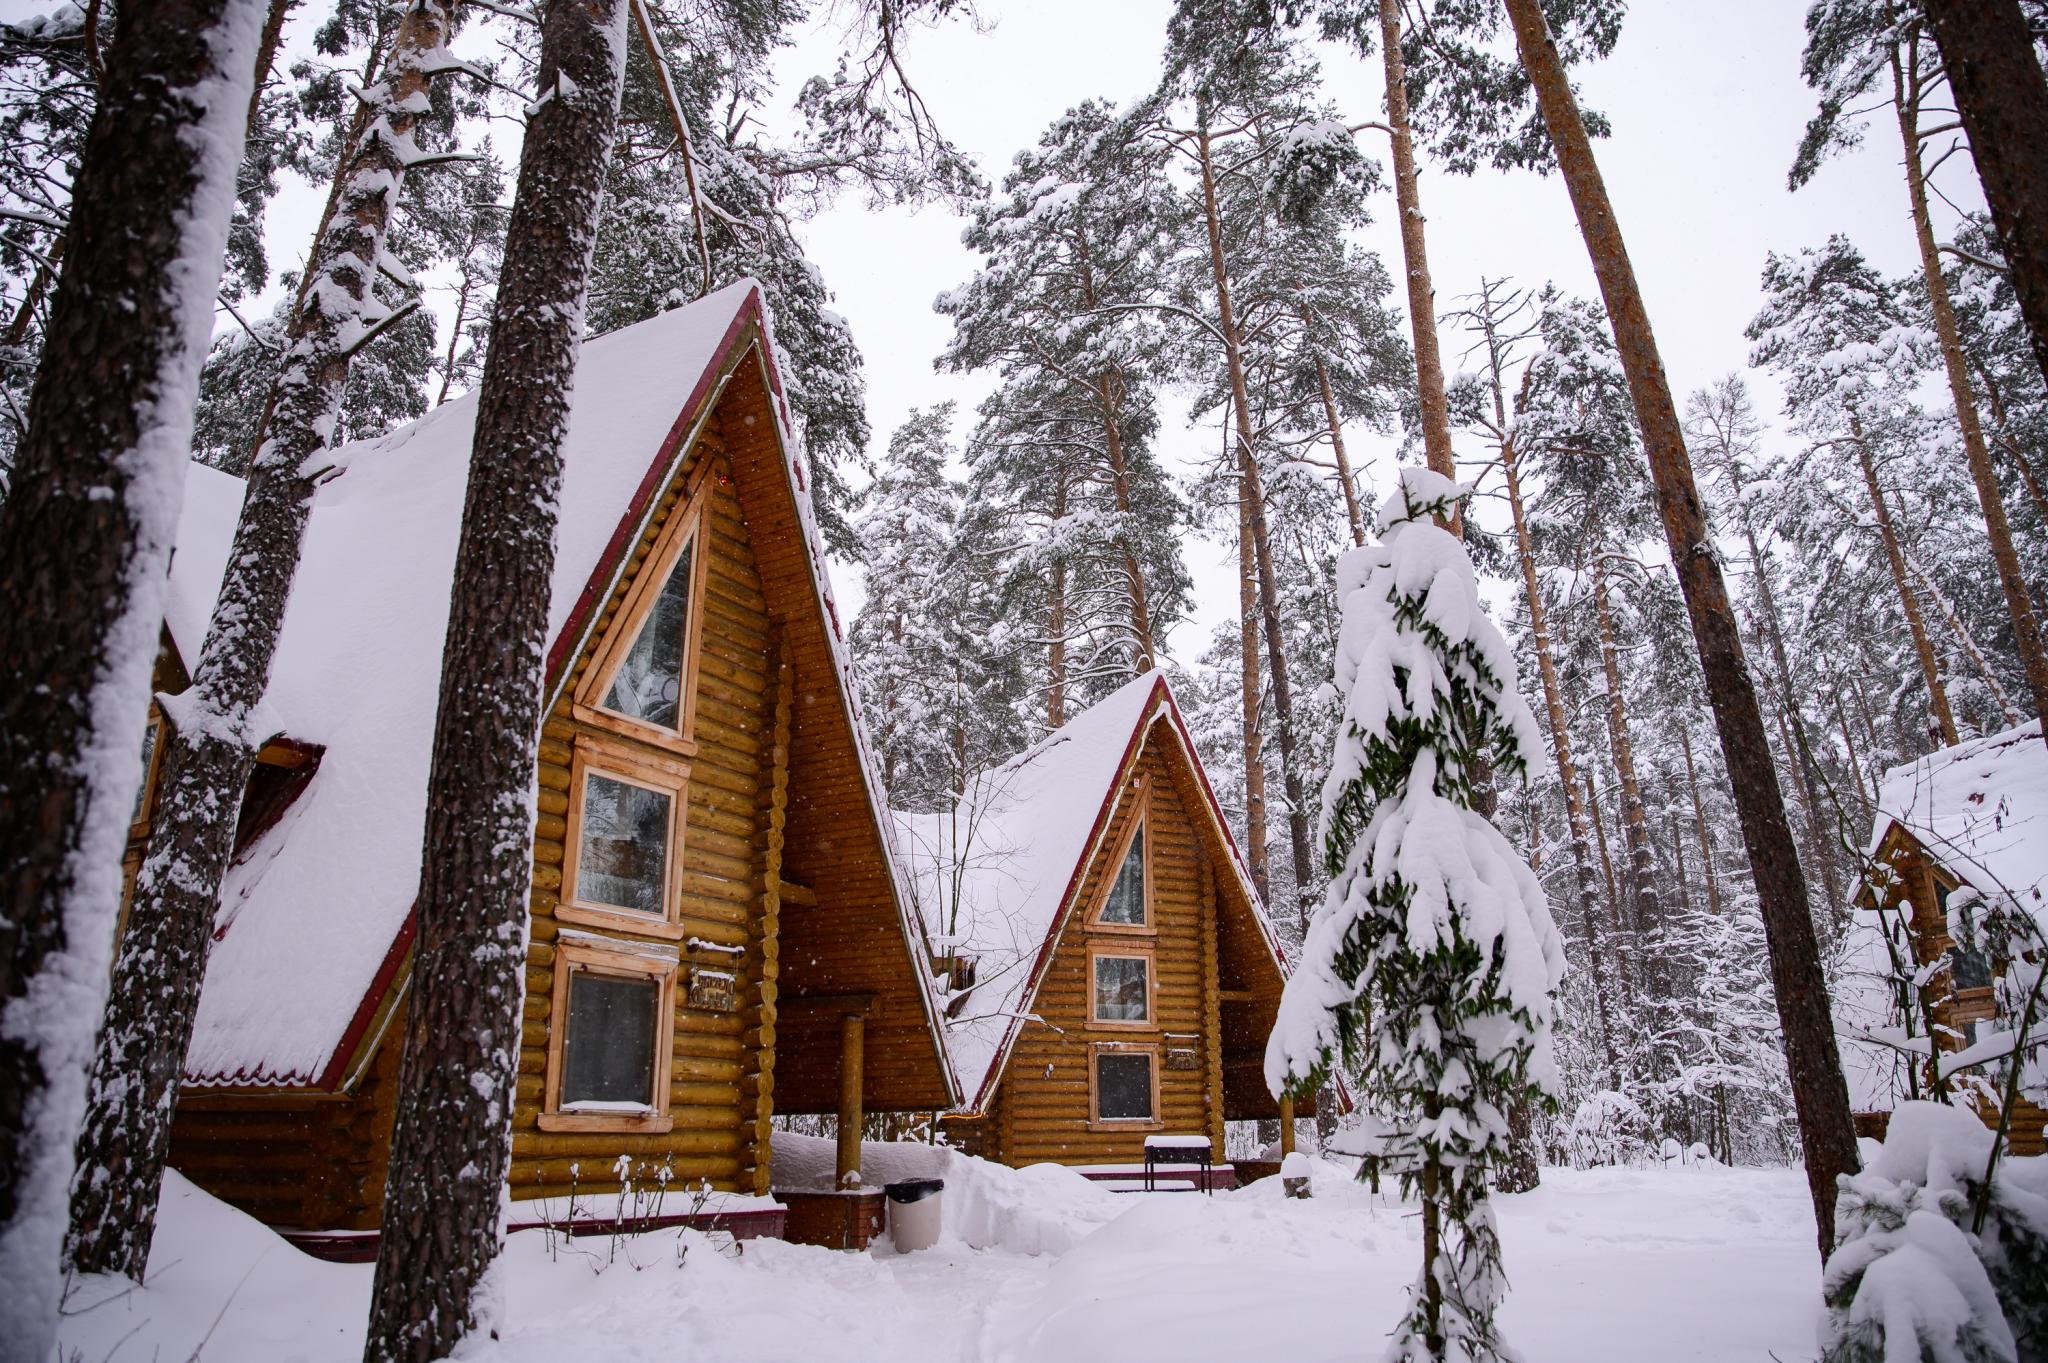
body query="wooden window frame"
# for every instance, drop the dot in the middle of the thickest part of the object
(1140, 822)
(146, 811)
(685, 527)
(594, 958)
(648, 771)
(1096, 1121)
(1118, 951)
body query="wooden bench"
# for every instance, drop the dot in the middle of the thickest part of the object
(1178, 1150)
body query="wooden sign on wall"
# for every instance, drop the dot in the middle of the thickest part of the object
(714, 991)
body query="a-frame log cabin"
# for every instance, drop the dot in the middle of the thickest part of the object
(1974, 815)
(1109, 972)
(718, 929)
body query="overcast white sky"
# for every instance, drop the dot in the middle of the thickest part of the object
(1707, 106)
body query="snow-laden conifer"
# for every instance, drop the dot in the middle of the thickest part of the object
(1433, 960)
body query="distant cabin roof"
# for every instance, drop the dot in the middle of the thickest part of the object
(314, 915)
(1979, 808)
(1019, 845)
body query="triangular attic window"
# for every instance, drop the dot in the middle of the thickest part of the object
(1125, 905)
(649, 683)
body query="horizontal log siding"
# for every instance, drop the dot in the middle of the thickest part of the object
(1041, 1107)
(302, 1160)
(716, 1065)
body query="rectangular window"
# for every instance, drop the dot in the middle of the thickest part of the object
(1124, 1086)
(610, 1038)
(623, 845)
(1122, 989)
(608, 1055)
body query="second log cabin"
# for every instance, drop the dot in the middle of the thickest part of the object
(1108, 972)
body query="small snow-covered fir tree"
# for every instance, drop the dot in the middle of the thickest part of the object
(1433, 960)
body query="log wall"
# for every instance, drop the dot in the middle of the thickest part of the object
(717, 1075)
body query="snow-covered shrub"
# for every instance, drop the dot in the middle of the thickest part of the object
(1915, 1274)
(1433, 961)
(1608, 1128)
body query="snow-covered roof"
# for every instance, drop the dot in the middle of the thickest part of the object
(1980, 809)
(1017, 848)
(314, 915)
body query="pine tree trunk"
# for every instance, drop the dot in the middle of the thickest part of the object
(1252, 489)
(1056, 619)
(1560, 744)
(1109, 396)
(1987, 51)
(1699, 824)
(1429, 364)
(1352, 512)
(2000, 697)
(2026, 627)
(1624, 943)
(1258, 861)
(212, 746)
(1820, 1094)
(1646, 914)
(1820, 848)
(85, 540)
(451, 1137)
(1909, 603)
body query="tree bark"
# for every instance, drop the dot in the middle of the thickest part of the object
(2026, 627)
(1120, 489)
(215, 734)
(1253, 492)
(2008, 712)
(1987, 51)
(1909, 603)
(1646, 913)
(1108, 394)
(1056, 619)
(451, 1137)
(85, 540)
(1560, 728)
(1699, 824)
(1259, 862)
(1820, 847)
(1429, 363)
(1624, 944)
(1352, 512)
(1820, 1094)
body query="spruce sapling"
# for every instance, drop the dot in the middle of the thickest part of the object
(1433, 959)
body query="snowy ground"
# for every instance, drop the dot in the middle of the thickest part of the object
(1607, 1265)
